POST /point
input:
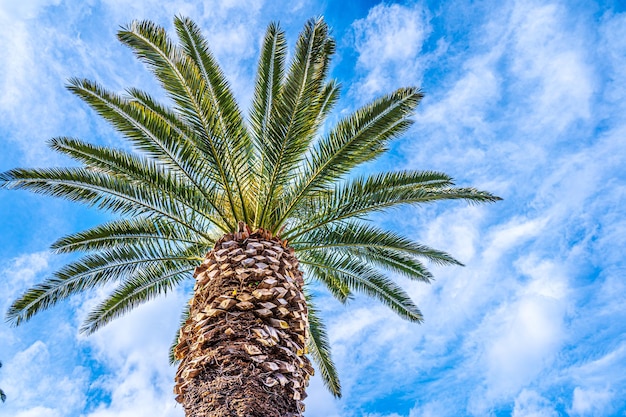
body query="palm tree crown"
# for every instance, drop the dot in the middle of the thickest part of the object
(200, 166)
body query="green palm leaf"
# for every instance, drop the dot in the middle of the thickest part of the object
(182, 79)
(319, 347)
(228, 119)
(183, 320)
(270, 73)
(95, 270)
(318, 270)
(153, 129)
(357, 139)
(355, 235)
(359, 197)
(293, 123)
(358, 276)
(108, 192)
(144, 172)
(126, 232)
(146, 284)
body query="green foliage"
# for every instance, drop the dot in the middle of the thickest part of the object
(199, 166)
(319, 348)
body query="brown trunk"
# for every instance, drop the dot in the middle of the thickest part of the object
(242, 348)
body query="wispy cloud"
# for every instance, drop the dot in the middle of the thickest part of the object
(134, 353)
(389, 45)
(532, 404)
(33, 378)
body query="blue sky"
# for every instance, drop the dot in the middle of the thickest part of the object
(523, 98)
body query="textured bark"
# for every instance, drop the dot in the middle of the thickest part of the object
(242, 349)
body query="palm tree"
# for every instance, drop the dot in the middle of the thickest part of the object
(272, 198)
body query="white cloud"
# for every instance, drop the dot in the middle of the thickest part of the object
(456, 231)
(509, 236)
(434, 409)
(25, 9)
(17, 275)
(549, 58)
(531, 404)
(522, 345)
(611, 54)
(520, 337)
(34, 386)
(21, 273)
(134, 350)
(320, 403)
(507, 104)
(360, 320)
(31, 82)
(39, 412)
(590, 402)
(467, 101)
(37, 381)
(594, 375)
(18, 58)
(388, 42)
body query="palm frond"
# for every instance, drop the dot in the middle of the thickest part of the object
(292, 124)
(405, 178)
(395, 261)
(127, 232)
(358, 138)
(107, 192)
(182, 79)
(378, 247)
(154, 129)
(319, 347)
(362, 278)
(148, 125)
(147, 173)
(329, 96)
(356, 198)
(316, 269)
(270, 73)
(178, 145)
(92, 271)
(357, 235)
(146, 284)
(228, 118)
(183, 321)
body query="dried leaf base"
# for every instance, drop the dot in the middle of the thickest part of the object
(242, 349)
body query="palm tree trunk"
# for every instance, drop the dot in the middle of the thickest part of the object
(242, 348)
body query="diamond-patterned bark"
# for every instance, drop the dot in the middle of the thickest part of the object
(242, 350)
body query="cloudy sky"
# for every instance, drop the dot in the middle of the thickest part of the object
(524, 98)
